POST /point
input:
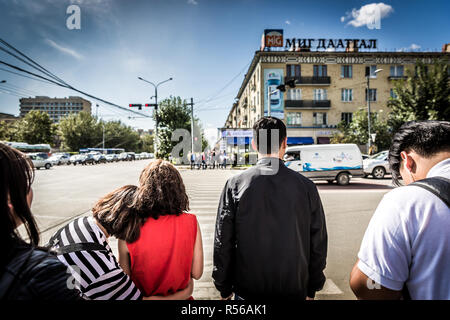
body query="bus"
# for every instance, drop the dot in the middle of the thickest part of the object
(30, 148)
(104, 151)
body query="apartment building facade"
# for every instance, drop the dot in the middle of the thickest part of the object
(329, 88)
(57, 108)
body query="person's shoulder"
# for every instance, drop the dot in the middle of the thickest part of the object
(409, 195)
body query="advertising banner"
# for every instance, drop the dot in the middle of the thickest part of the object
(272, 79)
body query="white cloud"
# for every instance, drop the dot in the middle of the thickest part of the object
(412, 47)
(287, 22)
(65, 50)
(193, 2)
(366, 14)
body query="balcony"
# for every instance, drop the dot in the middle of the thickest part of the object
(317, 81)
(307, 104)
(397, 77)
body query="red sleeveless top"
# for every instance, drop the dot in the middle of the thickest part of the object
(161, 259)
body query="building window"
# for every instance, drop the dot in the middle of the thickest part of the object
(293, 70)
(320, 94)
(346, 71)
(347, 117)
(396, 71)
(294, 118)
(393, 94)
(372, 69)
(294, 94)
(319, 118)
(372, 94)
(347, 95)
(320, 70)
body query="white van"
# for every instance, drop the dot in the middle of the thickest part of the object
(326, 162)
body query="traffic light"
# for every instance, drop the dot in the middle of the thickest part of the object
(150, 104)
(136, 105)
(290, 83)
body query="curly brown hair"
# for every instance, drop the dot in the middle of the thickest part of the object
(161, 192)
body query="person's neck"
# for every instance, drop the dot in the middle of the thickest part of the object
(102, 228)
(429, 164)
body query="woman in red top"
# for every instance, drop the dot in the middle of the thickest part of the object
(166, 250)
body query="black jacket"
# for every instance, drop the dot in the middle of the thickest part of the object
(270, 239)
(34, 274)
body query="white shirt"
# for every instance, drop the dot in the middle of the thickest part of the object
(408, 241)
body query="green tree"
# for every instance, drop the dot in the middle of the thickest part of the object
(119, 135)
(173, 114)
(80, 131)
(424, 95)
(146, 143)
(8, 131)
(357, 131)
(36, 127)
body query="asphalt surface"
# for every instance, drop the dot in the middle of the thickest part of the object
(65, 192)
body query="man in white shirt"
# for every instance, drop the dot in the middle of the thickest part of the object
(406, 247)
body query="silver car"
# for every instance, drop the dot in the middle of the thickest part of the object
(377, 165)
(39, 161)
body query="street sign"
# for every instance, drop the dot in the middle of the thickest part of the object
(373, 136)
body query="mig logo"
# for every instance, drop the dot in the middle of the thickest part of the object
(273, 38)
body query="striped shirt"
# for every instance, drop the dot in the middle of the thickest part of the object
(97, 274)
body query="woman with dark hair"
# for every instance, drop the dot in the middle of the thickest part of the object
(83, 246)
(164, 251)
(26, 271)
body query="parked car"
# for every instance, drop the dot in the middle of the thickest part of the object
(377, 165)
(59, 159)
(328, 162)
(82, 159)
(39, 161)
(99, 158)
(112, 157)
(131, 156)
(123, 156)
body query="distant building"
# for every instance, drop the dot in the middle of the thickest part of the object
(8, 117)
(56, 108)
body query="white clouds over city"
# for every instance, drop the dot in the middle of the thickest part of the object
(412, 47)
(365, 15)
(64, 50)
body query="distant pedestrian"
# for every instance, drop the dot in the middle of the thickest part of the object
(164, 250)
(405, 251)
(192, 160)
(271, 239)
(224, 160)
(27, 271)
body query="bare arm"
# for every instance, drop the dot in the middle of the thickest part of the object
(124, 257)
(365, 289)
(197, 261)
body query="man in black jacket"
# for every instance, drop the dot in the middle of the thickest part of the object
(270, 239)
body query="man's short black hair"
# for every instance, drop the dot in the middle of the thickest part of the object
(271, 125)
(426, 138)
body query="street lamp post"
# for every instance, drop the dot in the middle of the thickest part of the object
(156, 108)
(368, 105)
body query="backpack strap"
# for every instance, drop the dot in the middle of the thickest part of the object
(439, 186)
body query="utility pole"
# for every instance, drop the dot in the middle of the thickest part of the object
(96, 112)
(192, 124)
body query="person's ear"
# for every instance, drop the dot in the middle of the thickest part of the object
(254, 145)
(284, 144)
(408, 161)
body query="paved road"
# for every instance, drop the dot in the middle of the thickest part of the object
(65, 192)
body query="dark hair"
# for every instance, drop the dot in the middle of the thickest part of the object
(426, 138)
(161, 191)
(16, 177)
(116, 214)
(268, 124)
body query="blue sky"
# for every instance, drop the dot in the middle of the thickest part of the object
(202, 44)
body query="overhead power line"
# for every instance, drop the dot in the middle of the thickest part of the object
(56, 80)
